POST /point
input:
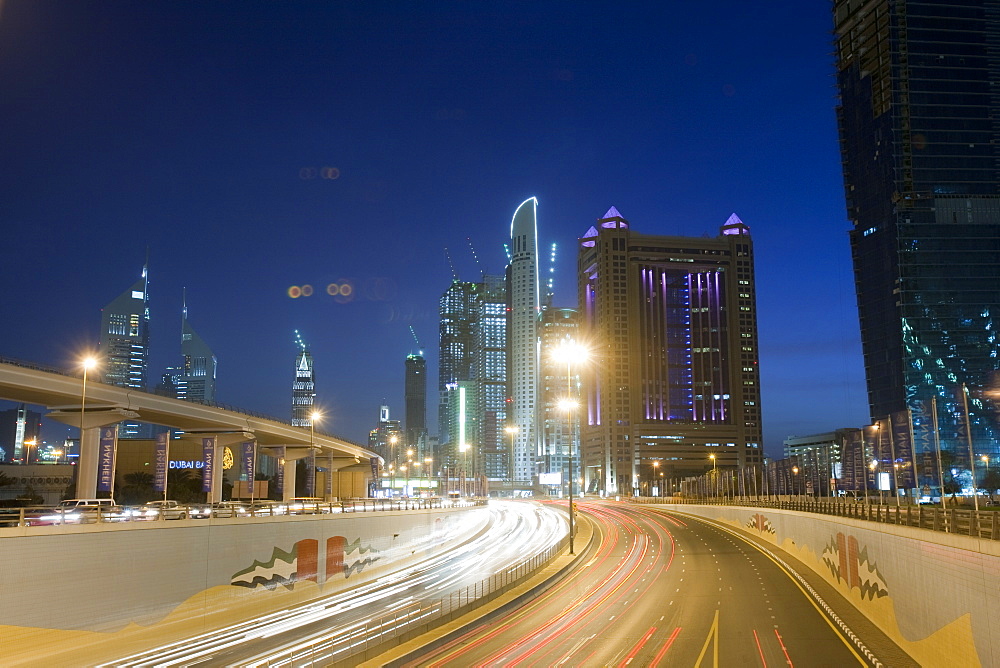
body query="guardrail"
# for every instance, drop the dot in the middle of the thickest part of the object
(979, 524)
(48, 516)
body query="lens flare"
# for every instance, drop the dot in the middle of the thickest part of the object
(295, 292)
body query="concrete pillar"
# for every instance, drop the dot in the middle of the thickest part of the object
(288, 493)
(93, 419)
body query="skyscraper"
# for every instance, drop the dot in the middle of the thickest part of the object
(459, 315)
(491, 377)
(558, 383)
(415, 397)
(124, 345)
(124, 342)
(672, 327)
(196, 382)
(19, 426)
(919, 121)
(473, 355)
(525, 310)
(304, 385)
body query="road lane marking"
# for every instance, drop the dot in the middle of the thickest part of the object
(713, 635)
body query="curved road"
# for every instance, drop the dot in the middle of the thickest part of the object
(660, 589)
(333, 627)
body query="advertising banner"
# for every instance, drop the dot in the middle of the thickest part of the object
(106, 458)
(208, 456)
(279, 475)
(160, 462)
(923, 445)
(248, 455)
(902, 442)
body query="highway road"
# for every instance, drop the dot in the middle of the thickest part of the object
(334, 627)
(660, 589)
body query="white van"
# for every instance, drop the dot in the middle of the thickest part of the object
(86, 503)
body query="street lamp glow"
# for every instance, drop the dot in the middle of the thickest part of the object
(568, 404)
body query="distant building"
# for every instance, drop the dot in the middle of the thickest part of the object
(198, 371)
(415, 398)
(459, 320)
(560, 428)
(920, 148)
(124, 346)
(19, 426)
(460, 455)
(523, 338)
(673, 376)
(820, 458)
(388, 440)
(303, 387)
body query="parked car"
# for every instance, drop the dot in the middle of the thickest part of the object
(222, 509)
(77, 511)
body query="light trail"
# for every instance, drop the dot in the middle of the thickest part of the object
(516, 532)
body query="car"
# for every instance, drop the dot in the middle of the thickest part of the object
(220, 509)
(265, 507)
(166, 509)
(77, 511)
(307, 505)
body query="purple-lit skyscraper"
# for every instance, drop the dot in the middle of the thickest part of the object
(672, 323)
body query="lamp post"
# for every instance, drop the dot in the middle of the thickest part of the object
(570, 351)
(429, 461)
(88, 363)
(512, 432)
(715, 491)
(795, 480)
(315, 415)
(27, 450)
(656, 480)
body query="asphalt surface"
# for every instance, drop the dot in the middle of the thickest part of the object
(658, 589)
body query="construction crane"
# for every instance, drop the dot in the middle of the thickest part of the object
(420, 349)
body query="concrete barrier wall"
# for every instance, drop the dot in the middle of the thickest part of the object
(96, 592)
(935, 594)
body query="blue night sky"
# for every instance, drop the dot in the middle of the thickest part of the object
(203, 130)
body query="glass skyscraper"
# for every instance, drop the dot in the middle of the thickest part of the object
(919, 121)
(124, 345)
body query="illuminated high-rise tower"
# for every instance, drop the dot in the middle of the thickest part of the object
(124, 345)
(196, 381)
(671, 323)
(525, 307)
(304, 386)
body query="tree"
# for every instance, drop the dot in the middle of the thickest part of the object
(137, 488)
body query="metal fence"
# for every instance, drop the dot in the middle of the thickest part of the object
(354, 643)
(69, 516)
(979, 524)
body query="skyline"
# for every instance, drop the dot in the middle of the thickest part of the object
(203, 132)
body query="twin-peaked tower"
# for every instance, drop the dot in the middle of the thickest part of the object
(672, 328)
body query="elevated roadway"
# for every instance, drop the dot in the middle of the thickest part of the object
(109, 404)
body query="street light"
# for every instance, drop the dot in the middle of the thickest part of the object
(570, 352)
(656, 468)
(27, 450)
(315, 415)
(795, 480)
(715, 480)
(88, 364)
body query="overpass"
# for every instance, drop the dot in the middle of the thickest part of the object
(104, 405)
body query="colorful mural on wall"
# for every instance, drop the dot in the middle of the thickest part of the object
(851, 565)
(760, 524)
(301, 564)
